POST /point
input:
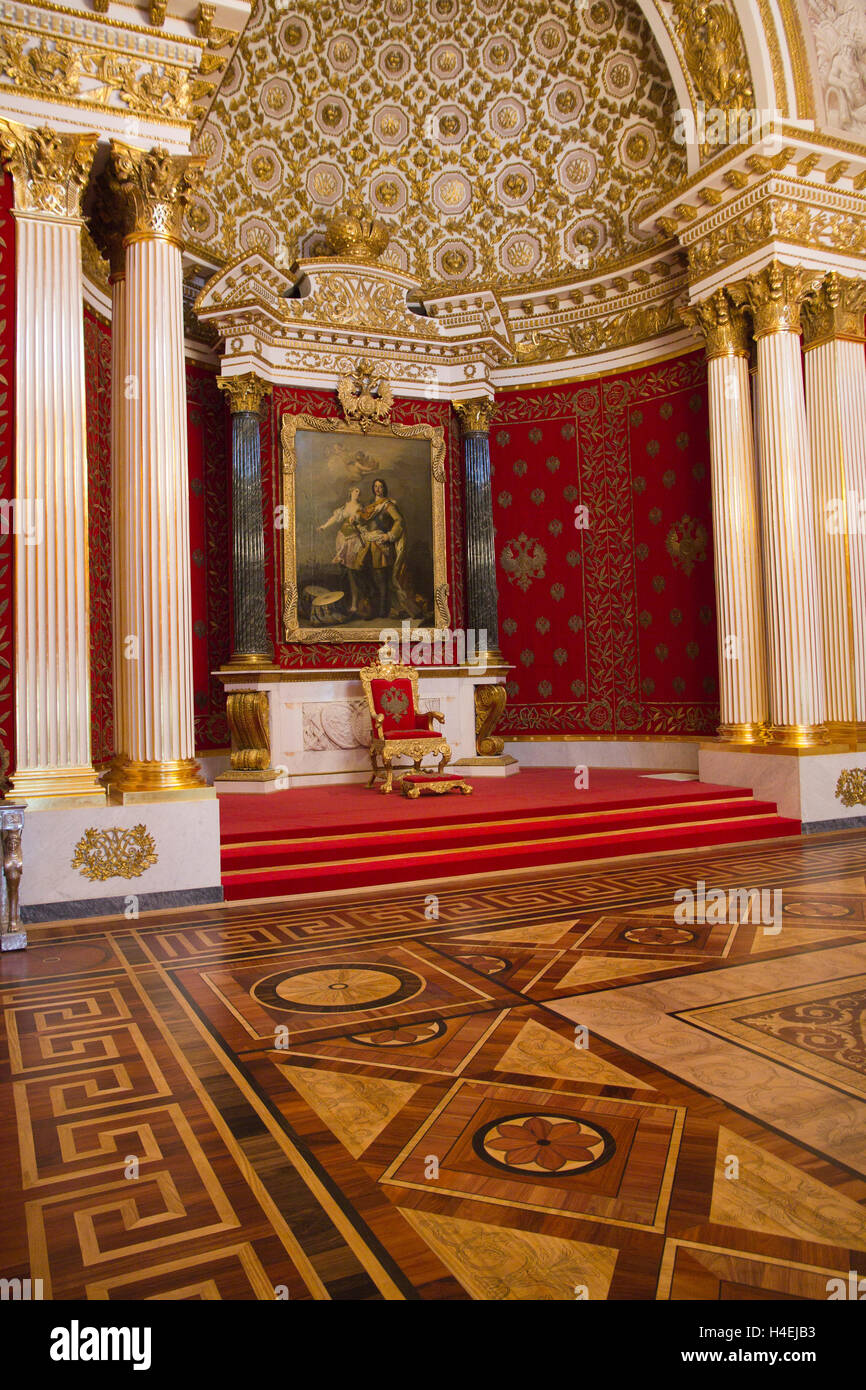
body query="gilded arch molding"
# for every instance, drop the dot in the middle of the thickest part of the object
(777, 56)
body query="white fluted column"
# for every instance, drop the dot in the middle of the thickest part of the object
(736, 523)
(52, 616)
(156, 745)
(836, 404)
(792, 603)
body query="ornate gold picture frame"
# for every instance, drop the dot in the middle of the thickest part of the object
(363, 523)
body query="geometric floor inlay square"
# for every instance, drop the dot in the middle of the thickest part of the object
(612, 1160)
(317, 994)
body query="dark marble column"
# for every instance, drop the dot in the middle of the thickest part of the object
(475, 416)
(252, 646)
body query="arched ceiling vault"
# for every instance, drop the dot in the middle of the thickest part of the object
(505, 141)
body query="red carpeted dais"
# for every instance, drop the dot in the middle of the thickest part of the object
(320, 839)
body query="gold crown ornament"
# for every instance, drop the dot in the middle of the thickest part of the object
(354, 234)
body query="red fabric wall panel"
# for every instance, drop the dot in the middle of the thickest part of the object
(610, 629)
(209, 431)
(291, 400)
(97, 376)
(7, 466)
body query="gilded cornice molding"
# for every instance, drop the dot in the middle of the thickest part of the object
(836, 311)
(49, 170)
(150, 189)
(476, 414)
(776, 296)
(721, 323)
(345, 309)
(246, 392)
(802, 214)
(68, 57)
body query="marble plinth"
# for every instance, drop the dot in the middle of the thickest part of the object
(803, 786)
(186, 845)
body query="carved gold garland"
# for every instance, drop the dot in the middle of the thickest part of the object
(73, 72)
(114, 853)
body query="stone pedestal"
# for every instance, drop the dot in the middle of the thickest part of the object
(319, 724)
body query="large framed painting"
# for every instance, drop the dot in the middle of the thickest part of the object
(363, 529)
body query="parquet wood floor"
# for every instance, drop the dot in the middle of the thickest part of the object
(546, 1090)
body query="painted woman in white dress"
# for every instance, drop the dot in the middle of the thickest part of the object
(351, 542)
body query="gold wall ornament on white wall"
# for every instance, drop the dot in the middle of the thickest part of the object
(365, 395)
(115, 853)
(851, 787)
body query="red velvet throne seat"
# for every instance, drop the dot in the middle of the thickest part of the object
(399, 727)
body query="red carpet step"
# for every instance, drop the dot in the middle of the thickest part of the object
(326, 838)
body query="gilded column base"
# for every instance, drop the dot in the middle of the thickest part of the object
(798, 735)
(176, 774)
(743, 733)
(850, 735)
(53, 786)
(249, 660)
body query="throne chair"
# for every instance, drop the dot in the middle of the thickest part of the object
(399, 727)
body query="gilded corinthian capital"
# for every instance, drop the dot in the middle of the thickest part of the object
(476, 414)
(151, 188)
(721, 323)
(49, 170)
(836, 311)
(776, 296)
(246, 392)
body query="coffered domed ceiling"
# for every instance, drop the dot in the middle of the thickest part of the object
(504, 141)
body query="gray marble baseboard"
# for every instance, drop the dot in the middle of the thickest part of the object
(115, 907)
(820, 827)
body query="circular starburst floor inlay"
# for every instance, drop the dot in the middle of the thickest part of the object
(337, 988)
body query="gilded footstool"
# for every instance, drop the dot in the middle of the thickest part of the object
(414, 786)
